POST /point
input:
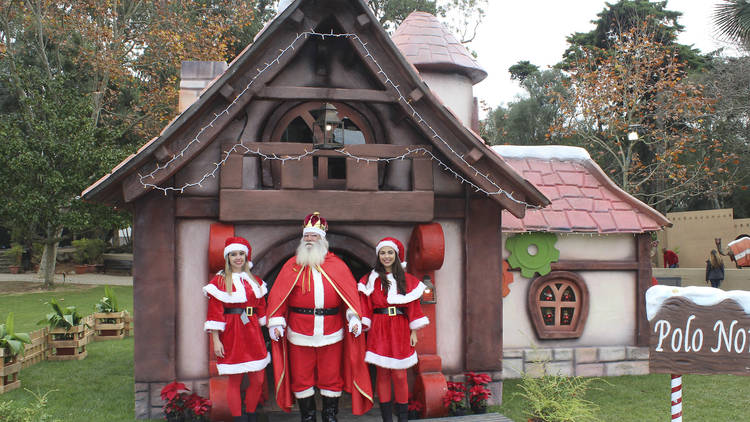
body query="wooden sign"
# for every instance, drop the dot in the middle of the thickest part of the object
(691, 338)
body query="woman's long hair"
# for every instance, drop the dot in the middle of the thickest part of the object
(715, 261)
(398, 274)
(228, 273)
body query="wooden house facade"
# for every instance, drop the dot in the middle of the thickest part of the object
(323, 112)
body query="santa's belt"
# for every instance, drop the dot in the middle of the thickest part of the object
(391, 311)
(314, 311)
(249, 311)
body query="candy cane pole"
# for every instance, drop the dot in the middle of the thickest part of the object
(676, 398)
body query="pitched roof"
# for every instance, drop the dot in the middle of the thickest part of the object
(488, 171)
(428, 45)
(583, 198)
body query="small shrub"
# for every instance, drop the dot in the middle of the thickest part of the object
(179, 405)
(15, 252)
(67, 318)
(10, 340)
(556, 398)
(108, 303)
(36, 412)
(88, 251)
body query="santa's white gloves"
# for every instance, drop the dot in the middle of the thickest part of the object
(272, 332)
(355, 326)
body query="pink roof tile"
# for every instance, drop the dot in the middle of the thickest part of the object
(583, 199)
(427, 44)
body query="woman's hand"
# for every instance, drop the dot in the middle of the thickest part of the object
(218, 347)
(413, 338)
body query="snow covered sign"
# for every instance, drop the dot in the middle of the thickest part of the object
(698, 330)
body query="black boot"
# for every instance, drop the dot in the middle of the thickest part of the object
(307, 409)
(242, 418)
(330, 409)
(386, 411)
(252, 417)
(402, 411)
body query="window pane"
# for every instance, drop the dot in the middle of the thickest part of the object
(297, 131)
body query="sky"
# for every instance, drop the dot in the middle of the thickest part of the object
(511, 32)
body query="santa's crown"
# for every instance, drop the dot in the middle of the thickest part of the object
(315, 223)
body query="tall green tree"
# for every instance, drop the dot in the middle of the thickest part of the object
(84, 83)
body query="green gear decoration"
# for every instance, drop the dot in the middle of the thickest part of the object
(539, 262)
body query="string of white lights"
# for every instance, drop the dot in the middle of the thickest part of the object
(277, 60)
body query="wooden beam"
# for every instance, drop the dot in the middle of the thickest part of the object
(228, 92)
(594, 265)
(297, 17)
(363, 21)
(483, 306)
(363, 150)
(330, 94)
(196, 207)
(450, 207)
(154, 288)
(643, 282)
(237, 205)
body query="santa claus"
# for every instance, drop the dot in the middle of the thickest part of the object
(315, 322)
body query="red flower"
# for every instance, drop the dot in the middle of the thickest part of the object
(477, 379)
(453, 398)
(479, 394)
(456, 386)
(171, 390)
(415, 406)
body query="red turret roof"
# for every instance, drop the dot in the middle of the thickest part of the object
(428, 45)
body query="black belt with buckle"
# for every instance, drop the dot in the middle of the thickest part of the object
(249, 311)
(390, 311)
(314, 311)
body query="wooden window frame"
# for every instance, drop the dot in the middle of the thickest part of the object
(557, 330)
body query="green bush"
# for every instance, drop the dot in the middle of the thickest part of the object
(88, 251)
(15, 252)
(67, 318)
(37, 412)
(10, 340)
(556, 398)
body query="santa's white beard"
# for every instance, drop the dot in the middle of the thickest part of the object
(312, 253)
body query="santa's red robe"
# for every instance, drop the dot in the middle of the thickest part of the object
(355, 373)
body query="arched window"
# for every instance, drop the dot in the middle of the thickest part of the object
(558, 304)
(304, 124)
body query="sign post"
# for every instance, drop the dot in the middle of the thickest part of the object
(697, 330)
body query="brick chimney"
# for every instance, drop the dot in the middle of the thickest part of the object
(195, 77)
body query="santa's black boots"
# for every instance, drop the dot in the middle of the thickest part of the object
(386, 411)
(307, 409)
(330, 409)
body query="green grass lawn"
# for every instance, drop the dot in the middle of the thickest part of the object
(721, 398)
(100, 387)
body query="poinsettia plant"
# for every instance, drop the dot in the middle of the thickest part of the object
(478, 391)
(180, 405)
(455, 398)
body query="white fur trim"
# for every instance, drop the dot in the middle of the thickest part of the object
(305, 393)
(419, 323)
(214, 325)
(367, 322)
(316, 340)
(233, 247)
(398, 299)
(258, 291)
(262, 321)
(385, 243)
(241, 368)
(370, 286)
(403, 265)
(329, 393)
(391, 363)
(315, 230)
(278, 321)
(237, 296)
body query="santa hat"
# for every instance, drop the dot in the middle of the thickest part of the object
(395, 244)
(236, 243)
(314, 223)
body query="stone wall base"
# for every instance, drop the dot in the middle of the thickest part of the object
(148, 403)
(581, 361)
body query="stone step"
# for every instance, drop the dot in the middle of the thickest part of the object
(374, 416)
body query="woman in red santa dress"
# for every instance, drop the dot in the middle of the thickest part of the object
(390, 298)
(236, 311)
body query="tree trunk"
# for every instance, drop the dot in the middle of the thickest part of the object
(49, 258)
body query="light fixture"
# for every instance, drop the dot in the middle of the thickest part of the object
(331, 128)
(633, 135)
(429, 296)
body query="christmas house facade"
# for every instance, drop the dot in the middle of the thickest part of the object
(323, 112)
(576, 271)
